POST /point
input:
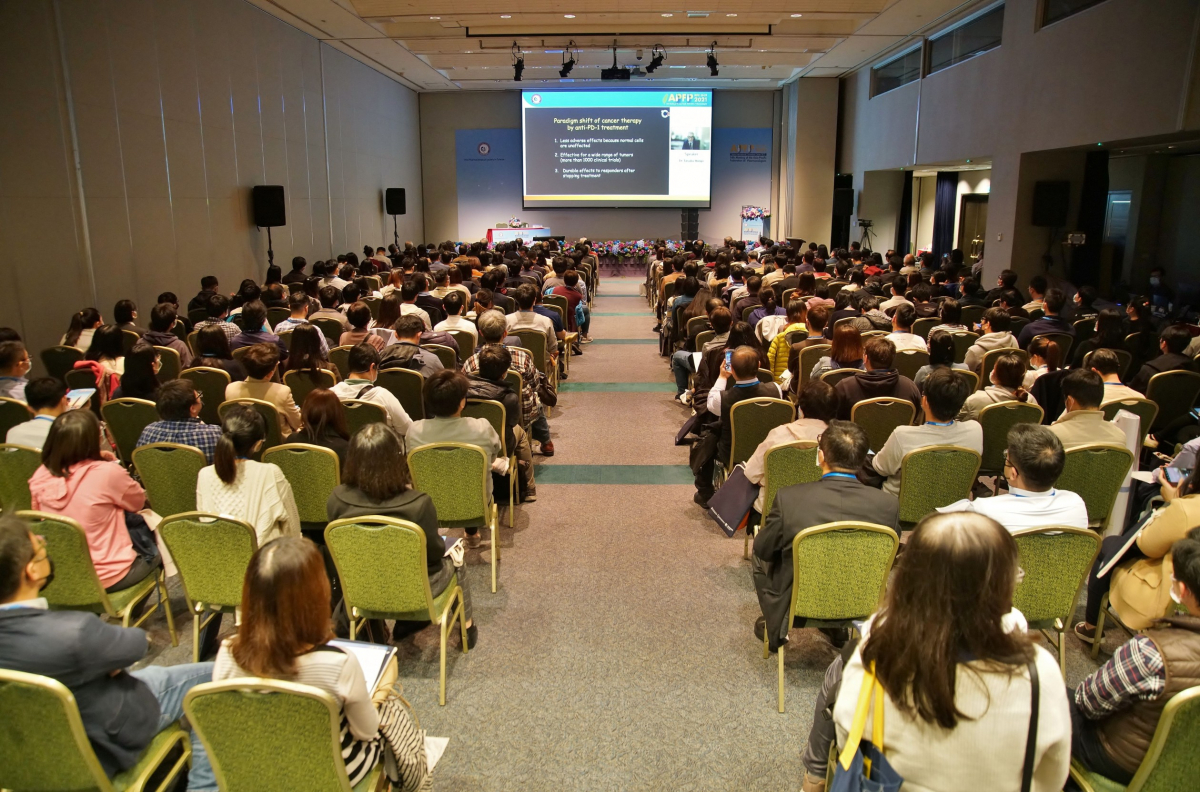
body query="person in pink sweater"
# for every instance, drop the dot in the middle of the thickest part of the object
(75, 481)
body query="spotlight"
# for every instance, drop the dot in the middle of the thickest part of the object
(518, 62)
(712, 60)
(658, 55)
(568, 61)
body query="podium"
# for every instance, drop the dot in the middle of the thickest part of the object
(527, 233)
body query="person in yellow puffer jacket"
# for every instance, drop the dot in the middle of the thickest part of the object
(777, 355)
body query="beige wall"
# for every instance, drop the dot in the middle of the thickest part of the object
(1064, 85)
(176, 110)
(810, 132)
(879, 202)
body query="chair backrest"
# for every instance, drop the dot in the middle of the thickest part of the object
(454, 475)
(374, 304)
(180, 329)
(972, 314)
(989, 362)
(751, 420)
(535, 342)
(697, 321)
(1144, 409)
(241, 721)
(558, 301)
(1056, 560)
(493, 412)
(971, 378)
(276, 315)
(170, 364)
(444, 353)
(312, 471)
(126, 419)
(513, 380)
(765, 376)
(933, 477)
(909, 361)
(267, 410)
(81, 378)
(839, 569)
(996, 420)
(193, 342)
(285, 338)
(1064, 340)
(12, 412)
(788, 464)
(1084, 328)
(1168, 765)
(340, 358)
(466, 344)
(837, 375)
(169, 472)
(963, 341)
(921, 327)
(562, 314)
(810, 356)
(1175, 394)
(381, 563)
(211, 553)
(359, 413)
(43, 745)
(786, 297)
(58, 360)
(240, 353)
(211, 383)
(749, 309)
(305, 381)
(1096, 472)
(76, 586)
(1016, 324)
(1036, 313)
(17, 466)
(879, 417)
(703, 337)
(407, 386)
(332, 329)
(128, 339)
(1124, 359)
(197, 315)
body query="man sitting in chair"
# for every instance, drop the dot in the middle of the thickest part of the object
(121, 710)
(1106, 363)
(1115, 711)
(363, 362)
(1033, 461)
(1084, 421)
(838, 495)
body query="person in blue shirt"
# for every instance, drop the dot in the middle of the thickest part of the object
(1052, 304)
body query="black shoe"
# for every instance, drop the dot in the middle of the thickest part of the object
(472, 637)
(403, 629)
(701, 499)
(760, 627)
(838, 636)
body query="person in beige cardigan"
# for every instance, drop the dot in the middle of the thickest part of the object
(260, 363)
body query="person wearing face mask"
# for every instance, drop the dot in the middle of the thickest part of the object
(14, 365)
(121, 710)
(1115, 711)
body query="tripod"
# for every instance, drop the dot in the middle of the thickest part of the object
(865, 241)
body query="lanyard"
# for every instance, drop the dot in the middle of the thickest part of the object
(746, 384)
(839, 475)
(938, 423)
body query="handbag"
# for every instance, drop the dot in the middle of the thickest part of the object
(730, 505)
(862, 767)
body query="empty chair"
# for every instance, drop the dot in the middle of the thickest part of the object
(407, 387)
(444, 353)
(1175, 394)
(12, 412)
(58, 360)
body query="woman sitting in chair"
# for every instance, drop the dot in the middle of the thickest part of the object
(1044, 357)
(140, 380)
(108, 349)
(324, 419)
(284, 634)
(306, 353)
(83, 326)
(1008, 384)
(213, 346)
(376, 482)
(847, 352)
(941, 355)
(953, 660)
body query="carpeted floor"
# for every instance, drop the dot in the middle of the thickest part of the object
(618, 652)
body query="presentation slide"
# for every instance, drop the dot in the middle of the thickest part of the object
(616, 148)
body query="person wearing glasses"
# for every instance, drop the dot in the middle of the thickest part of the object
(179, 406)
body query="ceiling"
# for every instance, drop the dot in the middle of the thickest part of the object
(455, 45)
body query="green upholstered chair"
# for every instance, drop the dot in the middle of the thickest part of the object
(784, 465)
(1169, 764)
(169, 472)
(382, 564)
(76, 585)
(839, 571)
(970, 377)
(128, 339)
(332, 329)
(786, 297)
(81, 378)
(513, 380)
(996, 420)
(455, 476)
(750, 421)
(1124, 356)
(1084, 328)
(1175, 394)
(466, 344)
(921, 327)
(169, 363)
(17, 466)
(359, 413)
(1144, 409)
(276, 315)
(810, 356)
(211, 553)
(126, 418)
(210, 383)
(305, 381)
(271, 736)
(909, 361)
(340, 358)
(285, 338)
(312, 471)
(1016, 324)
(703, 337)
(58, 360)
(698, 324)
(933, 477)
(12, 412)
(1096, 473)
(493, 411)
(972, 314)
(444, 353)
(43, 744)
(963, 340)
(1056, 560)
(407, 387)
(837, 375)
(267, 410)
(1064, 340)
(879, 418)
(374, 303)
(535, 342)
(989, 362)
(193, 342)
(240, 353)
(196, 315)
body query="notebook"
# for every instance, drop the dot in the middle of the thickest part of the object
(372, 658)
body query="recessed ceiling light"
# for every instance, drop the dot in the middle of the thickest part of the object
(435, 17)
(731, 15)
(795, 16)
(569, 16)
(506, 16)
(668, 15)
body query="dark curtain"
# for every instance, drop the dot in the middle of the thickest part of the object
(1093, 205)
(943, 212)
(904, 221)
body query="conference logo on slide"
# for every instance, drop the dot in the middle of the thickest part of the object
(536, 99)
(484, 149)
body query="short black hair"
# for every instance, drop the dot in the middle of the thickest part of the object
(16, 551)
(1037, 454)
(254, 315)
(1185, 556)
(123, 311)
(1054, 300)
(42, 393)
(298, 263)
(844, 445)
(329, 296)
(217, 305)
(494, 362)
(444, 392)
(1038, 284)
(905, 315)
(10, 353)
(526, 296)
(1105, 361)
(1084, 386)
(359, 315)
(208, 282)
(998, 319)
(818, 400)
(362, 357)
(453, 302)
(298, 300)
(175, 400)
(408, 325)
(162, 317)
(1176, 338)
(946, 393)
(1008, 278)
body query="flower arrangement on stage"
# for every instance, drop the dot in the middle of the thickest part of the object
(638, 248)
(755, 212)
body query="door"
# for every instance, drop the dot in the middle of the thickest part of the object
(972, 226)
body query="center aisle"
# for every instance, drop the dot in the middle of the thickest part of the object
(618, 652)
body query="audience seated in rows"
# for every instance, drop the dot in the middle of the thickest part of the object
(879, 379)
(488, 383)
(492, 329)
(261, 362)
(406, 352)
(902, 336)
(179, 405)
(360, 386)
(815, 408)
(47, 397)
(1083, 423)
(1008, 384)
(162, 321)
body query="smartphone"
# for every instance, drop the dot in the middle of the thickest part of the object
(728, 358)
(1175, 475)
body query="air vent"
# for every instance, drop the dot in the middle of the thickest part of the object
(697, 14)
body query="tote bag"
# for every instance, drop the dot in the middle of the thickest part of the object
(862, 767)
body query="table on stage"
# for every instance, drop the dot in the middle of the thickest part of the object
(495, 235)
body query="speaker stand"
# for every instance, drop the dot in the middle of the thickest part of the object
(396, 234)
(270, 252)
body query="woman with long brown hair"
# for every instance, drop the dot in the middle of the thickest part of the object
(212, 350)
(846, 352)
(324, 419)
(955, 666)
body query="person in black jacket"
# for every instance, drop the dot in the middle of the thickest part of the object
(1172, 341)
(488, 383)
(121, 710)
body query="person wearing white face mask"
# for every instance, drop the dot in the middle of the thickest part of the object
(1115, 711)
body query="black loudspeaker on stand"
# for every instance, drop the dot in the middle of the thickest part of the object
(269, 211)
(394, 204)
(689, 224)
